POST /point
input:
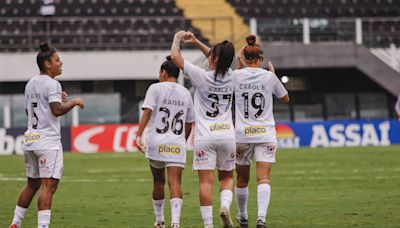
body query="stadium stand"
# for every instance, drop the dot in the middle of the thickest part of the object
(92, 24)
(331, 19)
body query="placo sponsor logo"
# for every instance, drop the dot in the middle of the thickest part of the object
(105, 138)
(255, 130)
(169, 149)
(219, 127)
(31, 137)
(10, 144)
(354, 134)
(286, 137)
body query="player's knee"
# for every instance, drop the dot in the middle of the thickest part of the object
(263, 181)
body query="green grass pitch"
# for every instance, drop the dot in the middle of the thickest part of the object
(338, 187)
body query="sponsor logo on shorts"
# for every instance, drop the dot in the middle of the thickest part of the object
(31, 137)
(269, 148)
(219, 127)
(169, 149)
(255, 130)
(43, 161)
(200, 155)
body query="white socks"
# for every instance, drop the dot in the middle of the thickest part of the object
(176, 206)
(263, 196)
(226, 198)
(207, 215)
(44, 218)
(242, 195)
(19, 214)
(158, 206)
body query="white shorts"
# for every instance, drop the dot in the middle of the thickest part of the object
(219, 154)
(262, 152)
(44, 163)
(161, 164)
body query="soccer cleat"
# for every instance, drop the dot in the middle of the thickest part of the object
(175, 225)
(14, 226)
(243, 222)
(225, 218)
(159, 225)
(261, 224)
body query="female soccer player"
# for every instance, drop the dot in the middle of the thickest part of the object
(255, 128)
(214, 133)
(44, 103)
(169, 108)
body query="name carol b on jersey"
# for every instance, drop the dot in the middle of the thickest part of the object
(251, 87)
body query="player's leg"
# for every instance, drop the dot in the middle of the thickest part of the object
(226, 165)
(24, 200)
(51, 166)
(244, 156)
(48, 188)
(204, 162)
(265, 157)
(30, 189)
(158, 172)
(174, 183)
(206, 182)
(242, 193)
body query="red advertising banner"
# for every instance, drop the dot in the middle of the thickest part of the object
(107, 138)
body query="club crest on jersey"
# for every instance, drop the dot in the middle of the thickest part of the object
(169, 149)
(31, 137)
(255, 130)
(220, 127)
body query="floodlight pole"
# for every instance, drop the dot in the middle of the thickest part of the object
(7, 115)
(306, 31)
(358, 31)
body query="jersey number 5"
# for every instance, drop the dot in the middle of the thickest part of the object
(34, 123)
(177, 124)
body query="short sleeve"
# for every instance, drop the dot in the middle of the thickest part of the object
(279, 90)
(54, 91)
(196, 74)
(190, 117)
(150, 101)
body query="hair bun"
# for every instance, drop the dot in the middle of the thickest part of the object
(44, 46)
(168, 58)
(251, 39)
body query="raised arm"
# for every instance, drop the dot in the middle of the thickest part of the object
(59, 109)
(189, 37)
(176, 56)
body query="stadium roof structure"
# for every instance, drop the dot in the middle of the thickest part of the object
(328, 55)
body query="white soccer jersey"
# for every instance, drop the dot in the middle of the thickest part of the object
(43, 127)
(212, 103)
(254, 120)
(172, 107)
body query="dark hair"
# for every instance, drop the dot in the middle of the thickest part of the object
(45, 53)
(252, 51)
(170, 67)
(225, 53)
